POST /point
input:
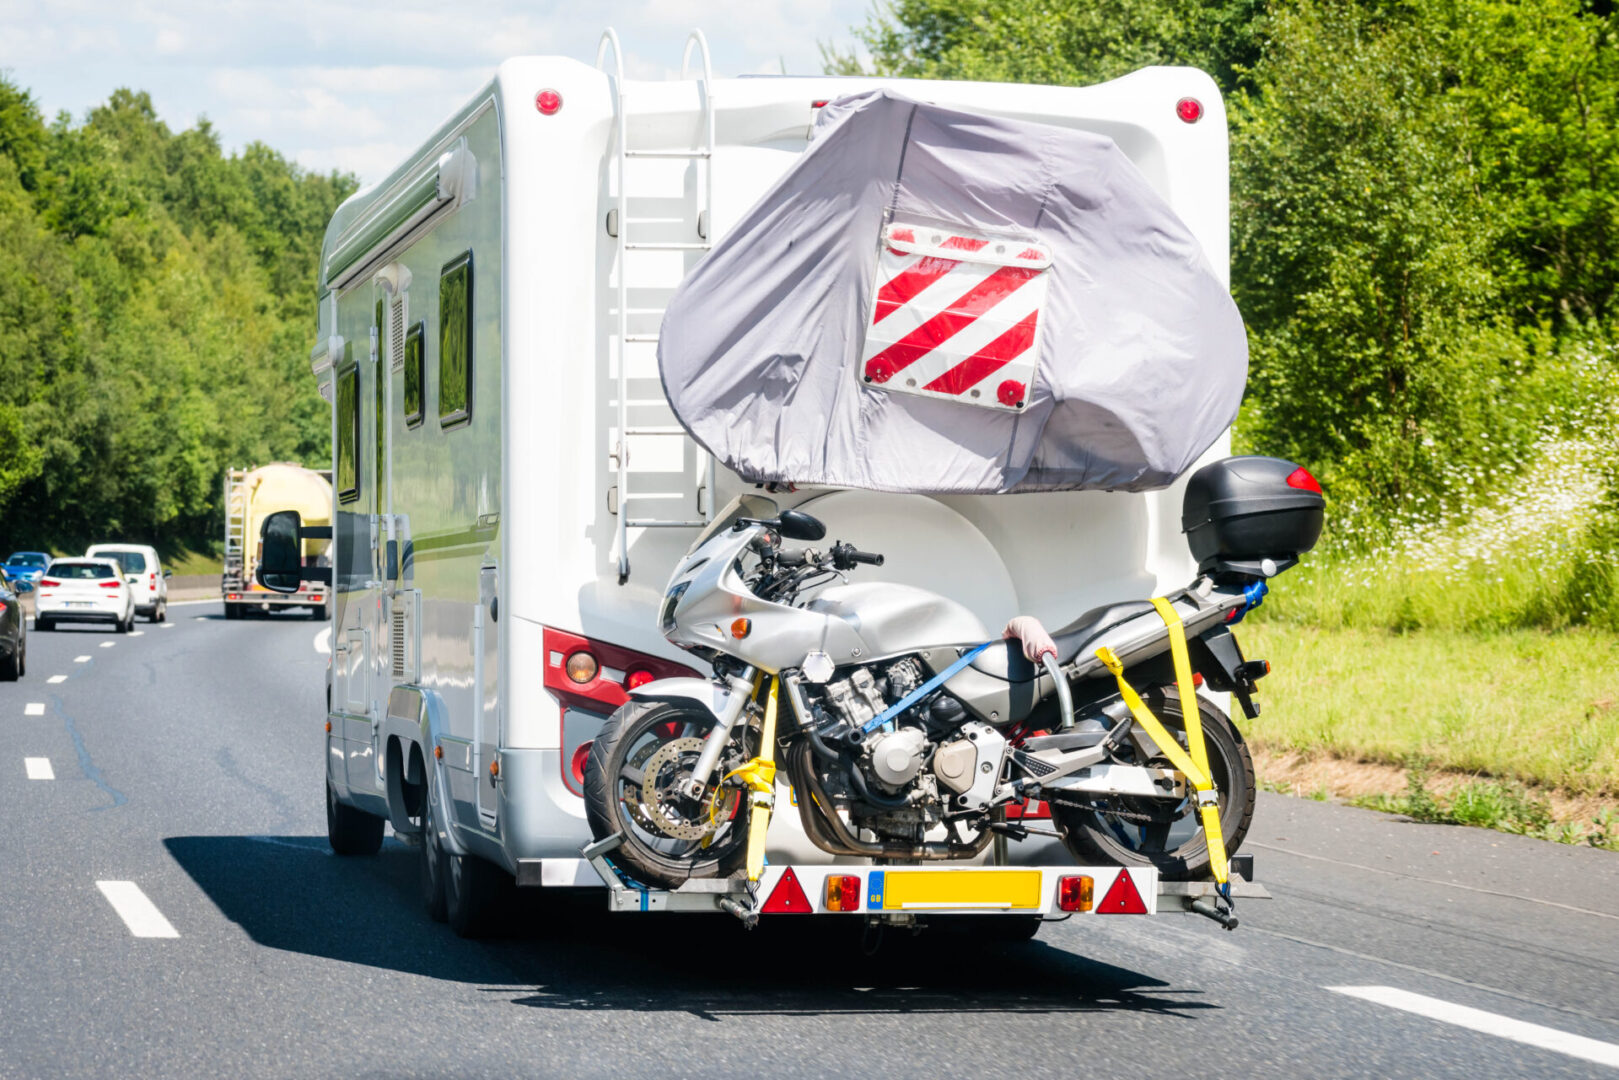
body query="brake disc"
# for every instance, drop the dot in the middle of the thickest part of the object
(661, 799)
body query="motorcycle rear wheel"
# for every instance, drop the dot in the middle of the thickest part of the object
(1178, 848)
(615, 779)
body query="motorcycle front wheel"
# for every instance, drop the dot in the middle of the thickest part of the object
(1133, 831)
(644, 753)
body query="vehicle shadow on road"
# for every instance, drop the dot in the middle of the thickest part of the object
(561, 950)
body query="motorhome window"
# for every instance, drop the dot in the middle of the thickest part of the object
(415, 350)
(455, 342)
(348, 434)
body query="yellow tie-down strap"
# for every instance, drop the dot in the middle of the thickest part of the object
(760, 777)
(1194, 760)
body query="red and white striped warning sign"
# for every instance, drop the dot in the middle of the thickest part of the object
(956, 316)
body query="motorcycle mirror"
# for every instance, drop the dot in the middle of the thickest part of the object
(797, 525)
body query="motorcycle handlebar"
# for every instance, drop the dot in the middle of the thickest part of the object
(845, 556)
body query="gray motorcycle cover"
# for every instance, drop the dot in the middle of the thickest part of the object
(932, 300)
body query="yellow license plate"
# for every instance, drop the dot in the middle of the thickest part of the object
(990, 890)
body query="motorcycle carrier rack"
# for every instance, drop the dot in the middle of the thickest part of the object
(736, 897)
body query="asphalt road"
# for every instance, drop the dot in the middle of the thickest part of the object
(187, 761)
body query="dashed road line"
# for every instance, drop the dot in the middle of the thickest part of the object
(323, 641)
(139, 913)
(38, 768)
(81, 659)
(136, 633)
(1489, 1023)
(34, 708)
(108, 644)
(57, 679)
(166, 626)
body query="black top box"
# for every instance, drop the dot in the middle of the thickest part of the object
(1240, 511)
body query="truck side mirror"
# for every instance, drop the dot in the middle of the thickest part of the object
(281, 564)
(168, 573)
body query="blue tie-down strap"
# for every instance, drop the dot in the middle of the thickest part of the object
(923, 691)
(1252, 597)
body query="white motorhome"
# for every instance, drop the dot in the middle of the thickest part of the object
(510, 487)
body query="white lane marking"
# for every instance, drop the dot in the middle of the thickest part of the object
(34, 708)
(166, 626)
(323, 641)
(108, 644)
(38, 768)
(185, 603)
(136, 633)
(138, 913)
(1487, 1022)
(57, 679)
(81, 659)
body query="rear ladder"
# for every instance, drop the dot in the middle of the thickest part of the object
(235, 527)
(619, 225)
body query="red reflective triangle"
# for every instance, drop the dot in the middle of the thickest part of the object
(788, 898)
(1122, 898)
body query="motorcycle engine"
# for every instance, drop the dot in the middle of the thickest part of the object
(933, 756)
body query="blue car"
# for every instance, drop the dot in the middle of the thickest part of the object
(25, 568)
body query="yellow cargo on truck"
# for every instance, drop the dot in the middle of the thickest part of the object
(251, 495)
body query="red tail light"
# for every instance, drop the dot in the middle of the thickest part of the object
(48, 583)
(1075, 892)
(589, 679)
(1300, 478)
(615, 668)
(843, 892)
(151, 579)
(112, 584)
(2, 608)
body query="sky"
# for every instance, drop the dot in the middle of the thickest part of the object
(356, 84)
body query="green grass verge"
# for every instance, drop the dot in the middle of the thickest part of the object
(1526, 705)
(193, 563)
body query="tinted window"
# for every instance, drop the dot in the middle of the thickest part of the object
(133, 562)
(415, 349)
(348, 434)
(455, 342)
(28, 558)
(80, 571)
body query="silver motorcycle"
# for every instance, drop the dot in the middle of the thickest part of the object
(907, 732)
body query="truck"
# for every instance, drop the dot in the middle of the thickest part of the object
(510, 489)
(251, 495)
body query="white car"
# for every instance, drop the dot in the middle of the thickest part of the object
(145, 574)
(84, 590)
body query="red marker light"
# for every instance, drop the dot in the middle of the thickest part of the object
(1189, 109)
(577, 765)
(549, 102)
(1011, 393)
(637, 678)
(1300, 478)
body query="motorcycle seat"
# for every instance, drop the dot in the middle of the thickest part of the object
(1005, 660)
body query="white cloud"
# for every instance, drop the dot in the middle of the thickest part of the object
(352, 84)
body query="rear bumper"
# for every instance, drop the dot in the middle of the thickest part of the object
(58, 611)
(270, 599)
